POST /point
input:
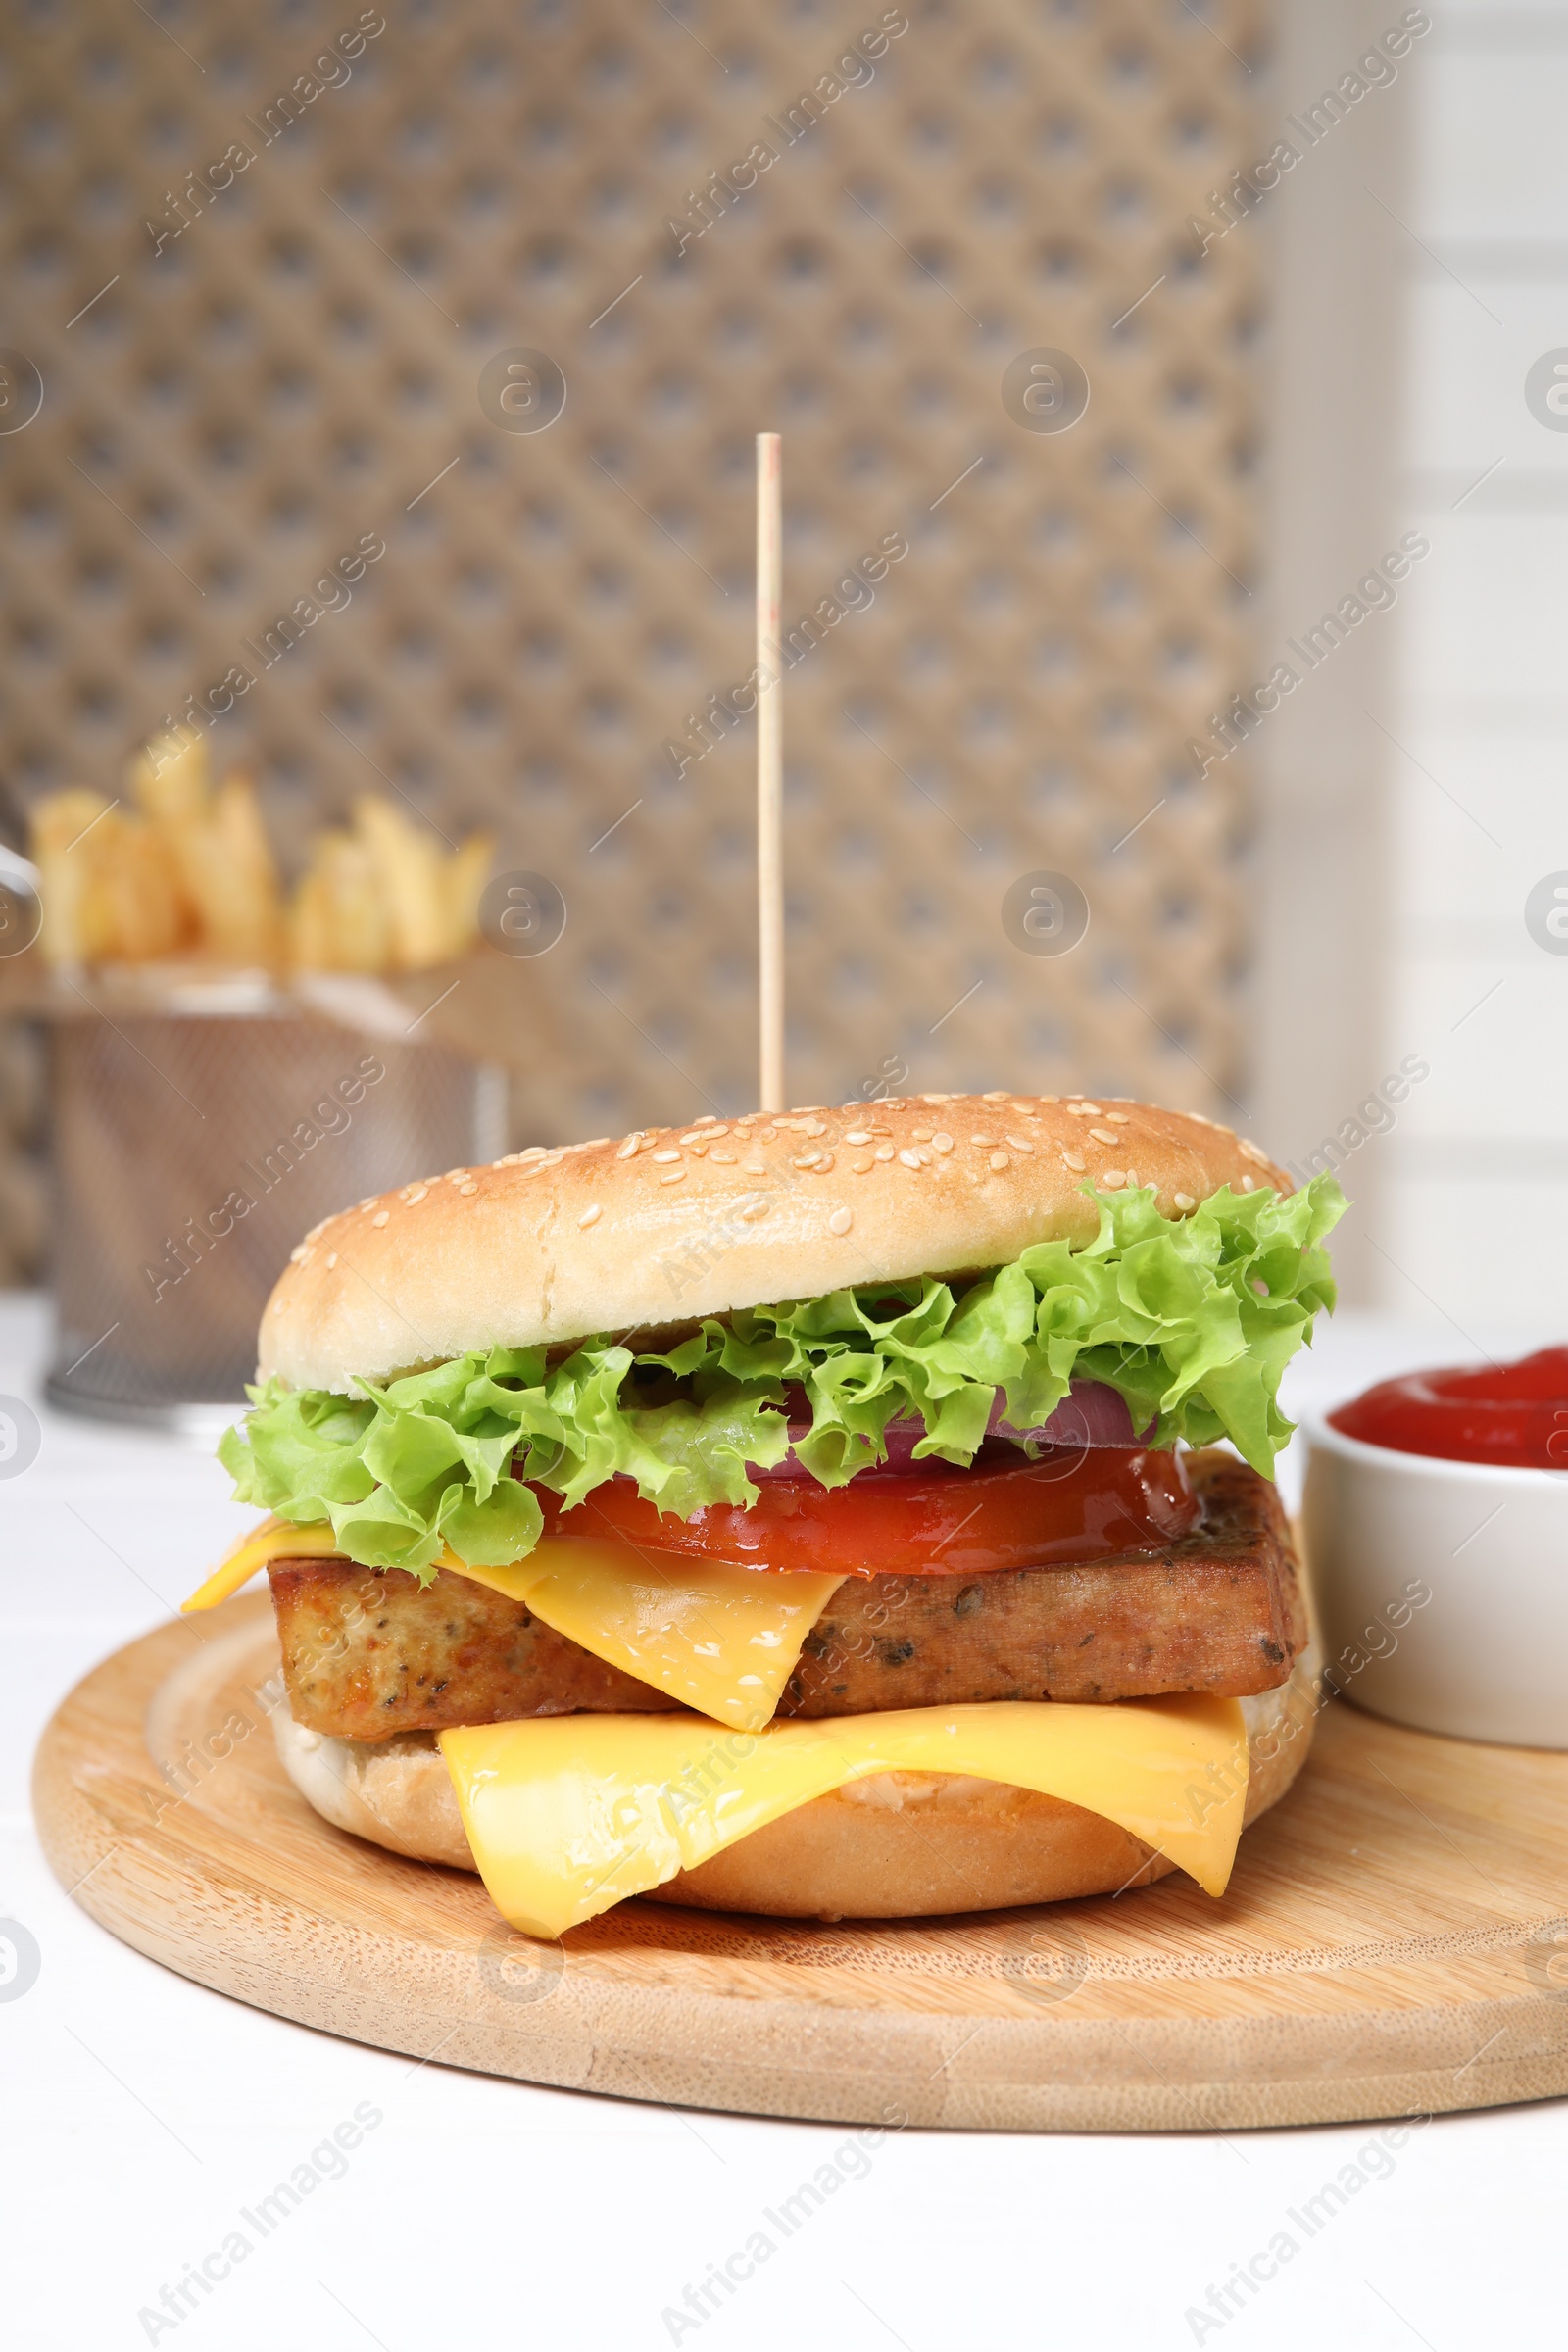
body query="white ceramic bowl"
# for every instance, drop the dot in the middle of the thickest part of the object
(1441, 1589)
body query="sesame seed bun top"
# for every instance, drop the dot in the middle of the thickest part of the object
(674, 1223)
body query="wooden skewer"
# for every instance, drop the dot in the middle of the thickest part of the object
(769, 770)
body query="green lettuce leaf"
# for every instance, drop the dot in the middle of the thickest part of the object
(1192, 1320)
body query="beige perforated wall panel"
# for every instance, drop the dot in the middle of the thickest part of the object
(225, 416)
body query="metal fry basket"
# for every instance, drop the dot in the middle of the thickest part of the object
(194, 1143)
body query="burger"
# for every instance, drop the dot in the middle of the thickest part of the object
(861, 1512)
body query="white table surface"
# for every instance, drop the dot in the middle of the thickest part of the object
(143, 2113)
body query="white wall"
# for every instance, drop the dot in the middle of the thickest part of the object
(1416, 787)
(1335, 506)
(1478, 696)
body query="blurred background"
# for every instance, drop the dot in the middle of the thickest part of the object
(1169, 391)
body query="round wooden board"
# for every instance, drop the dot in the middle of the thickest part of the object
(1393, 1942)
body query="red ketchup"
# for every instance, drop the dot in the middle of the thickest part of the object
(1515, 1415)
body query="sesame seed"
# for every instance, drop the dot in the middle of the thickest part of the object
(999, 1098)
(628, 1149)
(999, 1159)
(369, 1202)
(590, 1216)
(698, 1151)
(1112, 1180)
(1248, 1184)
(807, 1160)
(331, 1259)
(857, 1135)
(922, 1134)
(723, 1160)
(694, 1137)
(1118, 1118)
(1021, 1144)
(942, 1143)
(815, 1127)
(672, 1175)
(754, 1209)
(709, 1118)
(841, 1220)
(909, 1159)
(754, 1167)
(985, 1142)
(381, 1216)
(1073, 1161)
(456, 1175)
(420, 1191)
(1105, 1135)
(277, 1306)
(662, 1158)
(296, 1254)
(939, 1097)
(1184, 1202)
(466, 1192)
(862, 1167)
(1249, 1151)
(592, 1144)
(883, 1152)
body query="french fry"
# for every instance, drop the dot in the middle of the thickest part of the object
(189, 869)
(340, 921)
(58, 822)
(108, 893)
(171, 780)
(137, 900)
(217, 848)
(230, 878)
(467, 872)
(410, 872)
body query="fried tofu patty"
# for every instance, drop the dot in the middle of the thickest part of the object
(370, 1653)
(1218, 1611)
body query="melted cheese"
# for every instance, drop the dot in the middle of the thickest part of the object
(568, 1815)
(719, 1639)
(274, 1539)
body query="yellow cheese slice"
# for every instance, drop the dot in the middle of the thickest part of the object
(570, 1814)
(274, 1539)
(720, 1638)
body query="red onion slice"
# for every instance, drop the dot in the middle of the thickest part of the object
(1090, 1414)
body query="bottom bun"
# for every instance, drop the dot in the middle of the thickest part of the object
(899, 1845)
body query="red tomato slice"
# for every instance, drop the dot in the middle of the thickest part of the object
(935, 1521)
